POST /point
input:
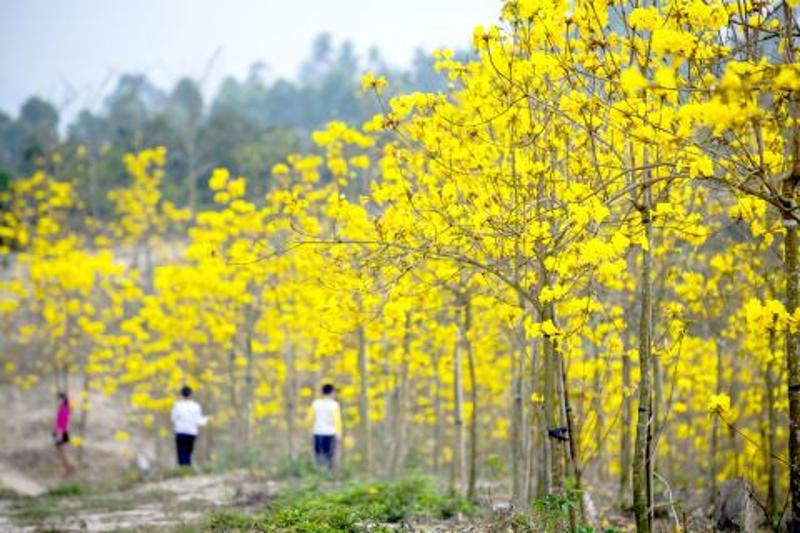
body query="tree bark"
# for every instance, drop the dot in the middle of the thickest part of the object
(459, 442)
(788, 191)
(438, 429)
(771, 389)
(248, 390)
(641, 455)
(290, 400)
(714, 451)
(400, 426)
(552, 449)
(533, 467)
(627, 420)
(473, 426)
(363, 398)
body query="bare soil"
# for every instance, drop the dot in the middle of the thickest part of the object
(148, 506)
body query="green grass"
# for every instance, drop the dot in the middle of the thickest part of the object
(360, 507)
(35, 511)
(66, 490)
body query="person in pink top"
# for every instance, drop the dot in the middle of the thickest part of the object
(61, 432)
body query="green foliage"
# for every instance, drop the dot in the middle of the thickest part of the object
(35, 511)
(556, 512)
(66, 489)
(360, 507)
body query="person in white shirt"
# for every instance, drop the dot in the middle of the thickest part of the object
(327, 426)
(187, 417)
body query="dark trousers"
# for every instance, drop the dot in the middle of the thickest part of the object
(324, 449)
(184, 444)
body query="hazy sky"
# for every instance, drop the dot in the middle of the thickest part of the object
(70, 51)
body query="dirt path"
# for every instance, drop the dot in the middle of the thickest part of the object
(148, 506)
(17, 482)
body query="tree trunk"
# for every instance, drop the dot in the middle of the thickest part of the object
(459, 442)
(400, 426)
(248, 390)
(772, 473)
(714, 451)
(553, 455)
(83, 421)
(597, 407)
(790, 268)
(438, 429)
(537, 465)
(641, 456)
(568, 450)
(473, 425)
(572, 434)
(363, 398)
(289, 400)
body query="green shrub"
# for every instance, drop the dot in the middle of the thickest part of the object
(556, 513)
(360, 507)
(66, 489)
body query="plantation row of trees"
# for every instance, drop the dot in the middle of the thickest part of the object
(579, 265)
(248, 126)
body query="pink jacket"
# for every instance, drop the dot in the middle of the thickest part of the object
(62, 418)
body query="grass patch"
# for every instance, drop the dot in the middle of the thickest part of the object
(66, 490)
(360, 507)
(35, 511)
(8, 494)
(556, 513)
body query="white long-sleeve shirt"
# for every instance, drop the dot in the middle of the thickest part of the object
(327, 417)
(187, 417)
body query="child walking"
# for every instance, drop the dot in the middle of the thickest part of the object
(327, 428)
(61, 433)
(187, 417)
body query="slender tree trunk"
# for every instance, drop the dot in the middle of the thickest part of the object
(533, 462)
(597, 407)
(83, 420)
(517, 428)
(363, 398)
(473, 426)
(518, 422)
(438, 429)
(569, 450)
(790, 262)
(553, 450)
(248, 389)
(400, 427)
(94, 207)
(459, 442)
(641, 456)
(655, 425)
(550, 478)
(290, 400)
(714, 451)
(233, 395)
(772, 474)
(572, 433)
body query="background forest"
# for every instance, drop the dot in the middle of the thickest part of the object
(247, 126)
